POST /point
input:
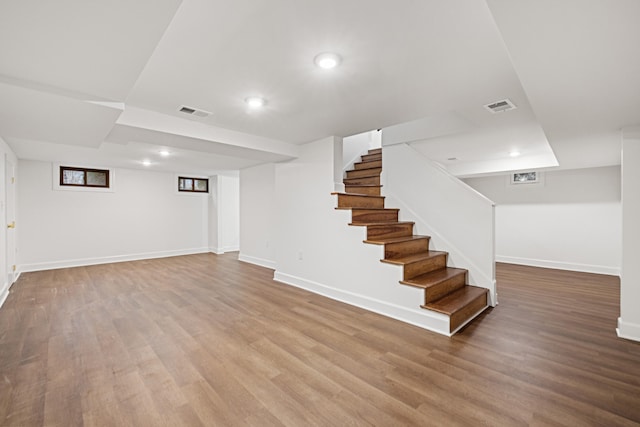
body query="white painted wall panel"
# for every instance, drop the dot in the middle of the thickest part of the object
(571, 220)
(258, 215)
(143, 217)
(629, 321)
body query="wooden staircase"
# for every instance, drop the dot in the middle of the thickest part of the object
(445, 289)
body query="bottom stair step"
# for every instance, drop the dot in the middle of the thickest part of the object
(439, 283)
(460, 305)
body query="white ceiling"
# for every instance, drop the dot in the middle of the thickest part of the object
(101, 82)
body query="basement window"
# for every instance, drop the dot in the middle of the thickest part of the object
(193, 185)
(84, 177)
(525, 178)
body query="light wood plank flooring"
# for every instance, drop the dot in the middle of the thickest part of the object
(206, 340)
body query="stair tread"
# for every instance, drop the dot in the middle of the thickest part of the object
(349, 180)
(376, 209)
(386, 240)
(354, 194)
(358, 194)
(433, 278)
(457, 300)
(372, 171)
(365, 169)
(382, 223)
(408, 259)
(363, 185)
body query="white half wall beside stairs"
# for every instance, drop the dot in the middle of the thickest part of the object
(459, 220)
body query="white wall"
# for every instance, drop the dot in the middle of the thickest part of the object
(144, 217)
(570, 221)
(318, 251)
(355, 146)
(5, 247)
(258, 213)
(224, 213)
(629, 321)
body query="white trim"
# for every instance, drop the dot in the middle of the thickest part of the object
(108, 260)
(4, 294)
(224, 249)
(257, 261)
(430, 320)
(630, 331)
(559, 265)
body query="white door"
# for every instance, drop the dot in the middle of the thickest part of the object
(10, 204)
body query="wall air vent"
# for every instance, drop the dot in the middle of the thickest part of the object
(193, 111)
(500, 106)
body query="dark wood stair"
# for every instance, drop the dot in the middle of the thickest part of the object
(446, 289)
(361, 216)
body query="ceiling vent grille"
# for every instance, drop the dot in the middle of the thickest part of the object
(193, 111)
(500, 106)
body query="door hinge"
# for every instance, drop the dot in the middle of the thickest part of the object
(14, 267)
(13, 179)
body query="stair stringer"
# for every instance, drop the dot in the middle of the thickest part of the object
(364, 281)
(403, 188)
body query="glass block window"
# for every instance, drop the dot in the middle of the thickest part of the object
(193, 185)
(83, 177)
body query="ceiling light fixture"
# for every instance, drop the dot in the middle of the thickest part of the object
(514, 153)
(255, 102)
(327, 60)
(164, 153)
(146, 163)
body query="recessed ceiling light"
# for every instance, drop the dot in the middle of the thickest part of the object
(146, 163)
(164, 153)
(255, 102)
(327, 60)
(514, 153)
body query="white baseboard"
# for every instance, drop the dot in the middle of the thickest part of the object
(257, 261)
(24, 268)
(584, 268)
(224, 249)
(4, 293)
(630, 331)
(426, 319)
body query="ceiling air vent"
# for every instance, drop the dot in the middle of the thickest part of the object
(500, 106)
(194, 111)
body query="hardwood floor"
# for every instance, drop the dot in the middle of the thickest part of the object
(206, 340)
